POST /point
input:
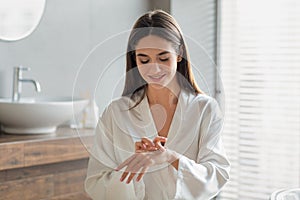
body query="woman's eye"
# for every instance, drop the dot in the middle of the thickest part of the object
(144, 61)
(164, 59)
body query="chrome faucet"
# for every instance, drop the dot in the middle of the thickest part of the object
(17, 82)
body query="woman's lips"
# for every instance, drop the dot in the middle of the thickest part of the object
(157, 78)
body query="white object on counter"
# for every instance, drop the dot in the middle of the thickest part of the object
(91, 115)
(38, 115)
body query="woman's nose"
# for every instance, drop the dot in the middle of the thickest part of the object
(155, 67)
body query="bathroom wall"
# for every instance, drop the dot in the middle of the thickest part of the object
(79, 46)
(66, 34)
(159, 4)
(198, 20)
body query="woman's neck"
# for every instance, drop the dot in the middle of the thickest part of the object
(162, 95)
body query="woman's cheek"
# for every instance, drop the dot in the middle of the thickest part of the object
(143, 71)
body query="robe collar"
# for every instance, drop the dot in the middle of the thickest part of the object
(150, 129)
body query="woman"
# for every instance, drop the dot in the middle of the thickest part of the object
(161, 139)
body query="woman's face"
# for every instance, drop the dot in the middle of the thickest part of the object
(156, 60)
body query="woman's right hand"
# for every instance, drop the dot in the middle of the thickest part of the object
(148, 153)
(147, 145)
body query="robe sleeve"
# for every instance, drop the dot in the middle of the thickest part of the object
(102, 181)
(202, 179)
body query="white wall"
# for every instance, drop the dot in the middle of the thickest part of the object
(198, 22)
(66, 34)
(69, 31)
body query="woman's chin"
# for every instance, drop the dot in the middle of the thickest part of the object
(156, 85)
(160, 85)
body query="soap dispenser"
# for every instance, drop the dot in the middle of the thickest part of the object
(91, 115)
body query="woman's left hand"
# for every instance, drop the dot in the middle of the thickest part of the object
(147, 145)
(139, 163)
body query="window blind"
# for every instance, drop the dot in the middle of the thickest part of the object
(260, 60)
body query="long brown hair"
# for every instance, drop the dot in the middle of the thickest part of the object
(161, 24)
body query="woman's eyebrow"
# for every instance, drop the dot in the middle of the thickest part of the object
(140, 54)
(164, 52)
(161, 53)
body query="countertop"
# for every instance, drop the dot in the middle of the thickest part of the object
(66, 144)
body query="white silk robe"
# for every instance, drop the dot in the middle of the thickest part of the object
(195, 133)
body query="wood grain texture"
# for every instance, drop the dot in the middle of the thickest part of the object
(30, 188)
(42, 170)
(63, 180)
(74, 196)
(69, 182)
(40, 167)
(36, 153)
(29, 150)
(11, 156)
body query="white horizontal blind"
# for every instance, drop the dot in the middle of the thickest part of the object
(260, 62)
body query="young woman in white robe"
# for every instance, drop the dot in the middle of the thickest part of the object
(162, 138)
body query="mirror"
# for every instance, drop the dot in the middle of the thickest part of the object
(19, 18)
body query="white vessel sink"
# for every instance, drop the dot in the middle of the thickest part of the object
(39, 115)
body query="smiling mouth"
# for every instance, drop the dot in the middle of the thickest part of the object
(157, 78)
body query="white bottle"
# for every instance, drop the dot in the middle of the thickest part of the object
(91, 115)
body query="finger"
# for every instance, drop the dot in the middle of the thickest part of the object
(143, 167)
(159, 146)
(128, 170)
(138, 146)
(124, 175)
(161, 139)
(158, 142)
(135, 165)
(126, 162)
(130, 177)
(140, 176)
(139, 165)
(149, 144)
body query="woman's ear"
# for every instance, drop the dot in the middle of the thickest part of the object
(179, 57)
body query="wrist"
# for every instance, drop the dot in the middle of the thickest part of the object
(172, 156)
